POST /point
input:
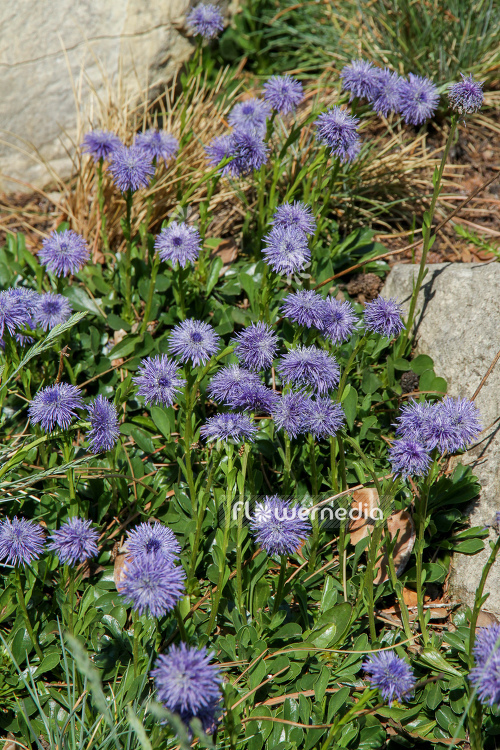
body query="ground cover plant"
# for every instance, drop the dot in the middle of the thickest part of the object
(183, 438)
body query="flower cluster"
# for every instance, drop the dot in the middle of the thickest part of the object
(152, 582)
(336, 320)
(447, 426)
(390, 674)
(279, 526)
(188, 684)
(22, 308)
(485, 675)
(74, 542)
(158, 144)
(416, 98)
(178, 243)
(206, 20)
(64, 253)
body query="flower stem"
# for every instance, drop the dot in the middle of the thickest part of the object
(314, 516)
(151, 291)
(421, 508)
(239, 538)
(281, 585)
(22, 604)
(427, 235)
(70, 474)
(128, 253)
(100, 200)
(135, 620)
(71, 597)
(288, 465)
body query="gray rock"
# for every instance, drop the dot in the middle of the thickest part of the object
(458, 325)
(59, 58)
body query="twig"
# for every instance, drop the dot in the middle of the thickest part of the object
(488, 373)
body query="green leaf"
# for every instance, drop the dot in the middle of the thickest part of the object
(125, 347)
(433, 696)
(436, 661)
(421, 363)
(50, 661)
(349, 405)
(81, 300)
(213, 276)
(161, 420)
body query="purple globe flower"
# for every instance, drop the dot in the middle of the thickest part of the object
(22, 301)
(409, 458)
(206, 20)
(219, 148)
(279, 526)
(360, 78)
(178, 243)
(74, 542)
(466, 96)
(304, 307)
(131, 168)
(104, 426)
(454, 424)
(287, 251)
(249, 152)
(283, 93)
(250, 115)
(159, 380)
(391, 675)
(487, 641)
(152, 585)
(194, 340)
(414, 419)
(387, 92)
(419, 99)
(228, 426)
(291, 413)
(228, 381)
(337, 129)
(55, 405)
(158, 144)
(325, 417)
(51, 310)
(296, 214)
(383, 316)
(100, 143)
(486, 680)
(308, 365)
(339, 320)
(64, 253)
(13, 312)
(187, 683)
(256, 346)
(154, 540)
(246, 149)
(21, 541)
(254, 397)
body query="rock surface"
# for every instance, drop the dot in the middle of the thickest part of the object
(458, 325)
(58, 59)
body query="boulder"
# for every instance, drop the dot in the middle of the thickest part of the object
(58, 59)
(458, 325)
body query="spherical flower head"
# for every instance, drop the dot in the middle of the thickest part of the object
(153, 539)
(454, 424)
(64, 253)
(51, 310)
(296, 214)
(220, 148)
(249, 152)
(360, 78)
(487, 641)
(131, 168)
(104, 426)
(249, 115)
(185, 680)
(304, 307)
(387, 88)
(254, 397)
(158, 144)
(419, 99)
(23, 302)
(287, 251)
(291, 413)
(339, 320)
(74, 542)
(409, 458)
(413, 421)
(279, 526)
(178, 243)
(234, 427)
(466, 96)
(383, 316)
(152, 585)
(194, 340)
(13, 312)
(338, 130)
(206, 20)
(55, 405)
(158, 380)
(325, 417)
(391, 675)
(21, 541)
(100, 144)
(256, 346)
(283, 93)
(310, 366)
(485, 675)
(228, 381)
